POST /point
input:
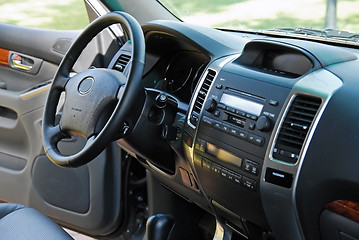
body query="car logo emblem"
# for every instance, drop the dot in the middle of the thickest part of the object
(86, 85)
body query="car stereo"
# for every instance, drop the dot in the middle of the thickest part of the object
(229, 126)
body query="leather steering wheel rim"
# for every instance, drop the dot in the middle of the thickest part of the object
(127, 92)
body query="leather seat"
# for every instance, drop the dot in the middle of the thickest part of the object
(19, 222)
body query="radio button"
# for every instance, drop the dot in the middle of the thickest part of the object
(237, 178)
(251, 138)
(242, 134)
(250, 167)
(216, 168)
(219, 86)
(259, 141)
(208, 121)
(206, 164)
(241, 113)
(200, 145)
(225, 128)
(224, 173)
(273, 102)
(230, 109)
(221, 106)
(247, 166)
(254, 170)
(251, 126)
(233, 131)
(230, 176)
(217, 113)
(249, 183)
(217, 125)
(250, 116)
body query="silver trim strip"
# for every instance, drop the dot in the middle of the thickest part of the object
(199, 86)
(189, 151)
(219, 233)
(230, 59)
(36, 91)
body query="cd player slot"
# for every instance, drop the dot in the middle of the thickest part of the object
(238, 121)
(262, 99)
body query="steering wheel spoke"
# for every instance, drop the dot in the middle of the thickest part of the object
(90, 141)
(55, 134)
(60, 82)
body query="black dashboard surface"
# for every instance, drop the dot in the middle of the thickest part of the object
(264, 122)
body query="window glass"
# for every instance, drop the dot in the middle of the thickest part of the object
(46, 14)
(268, 14)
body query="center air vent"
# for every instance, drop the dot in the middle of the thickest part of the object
(295, 128)
(202, 93)
(122, 62)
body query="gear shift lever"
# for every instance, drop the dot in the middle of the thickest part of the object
(159, 227)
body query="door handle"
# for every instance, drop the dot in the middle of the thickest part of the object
(17, 64)
(24, 63)
(21, 62)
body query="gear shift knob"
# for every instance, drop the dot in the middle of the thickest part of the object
(159, 227)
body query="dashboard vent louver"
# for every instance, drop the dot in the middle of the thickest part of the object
(122, 62)
(295, 127)
(202, 93)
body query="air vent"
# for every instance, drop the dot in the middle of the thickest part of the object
(121, 62)
(295, 127)
(202, 93)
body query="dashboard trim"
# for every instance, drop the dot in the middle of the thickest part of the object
(189, 151)
(196, 95)
(221, 65)
(232, 58)
(322, 84)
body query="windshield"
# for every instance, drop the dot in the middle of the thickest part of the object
(278, 15)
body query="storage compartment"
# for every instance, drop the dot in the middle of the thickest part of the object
(276, 59)
(337, 227)
(8, 117)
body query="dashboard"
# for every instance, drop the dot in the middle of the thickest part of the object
(258, 130)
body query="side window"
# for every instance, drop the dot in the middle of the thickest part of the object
(45, 14)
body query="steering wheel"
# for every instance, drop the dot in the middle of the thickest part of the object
(98, 100)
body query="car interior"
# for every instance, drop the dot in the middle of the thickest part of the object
(142, 126)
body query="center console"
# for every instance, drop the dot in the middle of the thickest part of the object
(228, 129)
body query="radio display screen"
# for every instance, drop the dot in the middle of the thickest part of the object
(242, 104)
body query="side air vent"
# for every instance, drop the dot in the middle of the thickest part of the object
(202, 93)
(295, 127)
(121, 62)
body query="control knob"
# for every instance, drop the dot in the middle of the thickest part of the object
(210, 105)
(263, 123)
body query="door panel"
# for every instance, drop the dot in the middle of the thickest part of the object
(86, 199)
